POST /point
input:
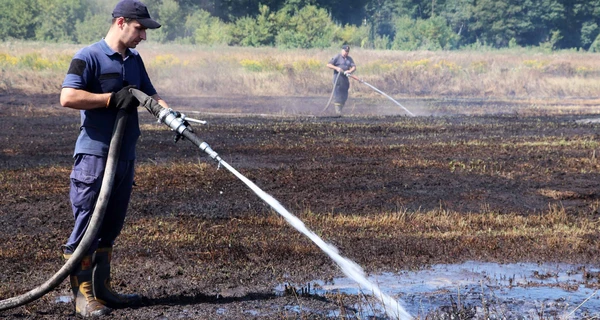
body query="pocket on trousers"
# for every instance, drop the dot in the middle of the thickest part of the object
(84, 189)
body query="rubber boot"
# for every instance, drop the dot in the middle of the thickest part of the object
(103, 290)
(81, 283)
(338, 109)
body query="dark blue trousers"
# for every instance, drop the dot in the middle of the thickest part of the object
(341, 90)
(86, 180)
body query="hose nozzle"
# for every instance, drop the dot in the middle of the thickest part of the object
(164, 115)
(173, 120)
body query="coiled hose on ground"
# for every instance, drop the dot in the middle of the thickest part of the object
(93, 225)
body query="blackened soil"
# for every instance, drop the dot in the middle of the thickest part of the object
(365, 163)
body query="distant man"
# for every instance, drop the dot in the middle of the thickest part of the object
(342, 65)
(98, 83)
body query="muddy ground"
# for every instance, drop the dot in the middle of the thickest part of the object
(374, 159)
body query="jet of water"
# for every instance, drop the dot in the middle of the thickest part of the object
(349, 267)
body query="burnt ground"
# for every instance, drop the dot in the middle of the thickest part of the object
(464, 157)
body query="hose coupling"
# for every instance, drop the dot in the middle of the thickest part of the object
(170, 118)
(211, 153)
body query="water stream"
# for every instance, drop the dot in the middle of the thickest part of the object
(352, 270)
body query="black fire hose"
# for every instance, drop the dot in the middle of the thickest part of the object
(93, 225)
(332, 92)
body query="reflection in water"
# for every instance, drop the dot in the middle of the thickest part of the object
(484, 290)
(64, 299)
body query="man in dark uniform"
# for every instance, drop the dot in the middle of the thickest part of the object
(342, 65)
(98, 83)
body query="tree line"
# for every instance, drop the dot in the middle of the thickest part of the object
(378, 24)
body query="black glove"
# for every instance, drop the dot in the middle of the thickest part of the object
(123, 99)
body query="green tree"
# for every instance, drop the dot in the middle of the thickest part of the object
(261, 31)
(92, 29)
(352, 35)
(232, 10)
(58, 18)
(293, 6)
(495, 22)
(17, 19)
(543, 18)
(202, 28)
(418, 9)
(529, 22)
(172, 21)
(458, 15)
(589, 32)
(424, 34)
(309, 27)
(578, 17)
(379, 17)
(96, 22)
(595, 46)
(345, 11)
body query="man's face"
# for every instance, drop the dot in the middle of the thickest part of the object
(345, 53)
(133, 33)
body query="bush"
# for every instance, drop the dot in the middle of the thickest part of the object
(172, 21)
(92, 28)
(310, 27)
(595, 46)
(428, 34)
(58, 18)
(96, 22)
(248, 31)
(202, 28)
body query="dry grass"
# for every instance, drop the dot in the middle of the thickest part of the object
(502, 236)
(214, 71)
(513, 235)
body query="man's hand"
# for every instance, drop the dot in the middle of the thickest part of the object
(123, 99)
(347, 73)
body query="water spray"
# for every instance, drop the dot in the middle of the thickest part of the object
(381, 92)
(174, 121)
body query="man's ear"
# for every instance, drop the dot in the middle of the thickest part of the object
(120, 22)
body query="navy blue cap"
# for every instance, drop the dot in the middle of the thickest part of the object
(134, 9)
(346, 48)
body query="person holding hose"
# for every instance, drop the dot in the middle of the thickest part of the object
(342, 65)
(97, 83)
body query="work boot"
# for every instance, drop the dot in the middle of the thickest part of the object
(103, 290)
(81, 283)
(338, 109)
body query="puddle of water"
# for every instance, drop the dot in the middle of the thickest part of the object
(63, 299)
(254, 313)
(475, 289)
(483, 290)
(221, 311)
